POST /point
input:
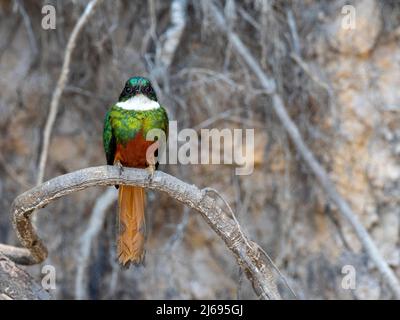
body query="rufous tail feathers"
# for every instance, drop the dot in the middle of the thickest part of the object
(132, 227)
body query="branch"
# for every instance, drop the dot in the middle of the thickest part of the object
(170, 39)
(16, 284)
(250, 258)
(62, 80)
(17, 255)
(29, 30)
(316, 168)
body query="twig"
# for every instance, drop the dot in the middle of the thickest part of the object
(8, 38)
(96, 222)
(294, 33)
(28, 26)
(62, 80)
(151, 32)
(318, 81)
(316, 168)
(257, 269)
(246, 16)
(169, 41)
(171, 38)
(251, 245)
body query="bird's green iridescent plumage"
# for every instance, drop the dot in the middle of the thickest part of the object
(121, 126)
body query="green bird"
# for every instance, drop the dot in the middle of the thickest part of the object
(126, 125)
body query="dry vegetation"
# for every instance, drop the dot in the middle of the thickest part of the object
(341, 89)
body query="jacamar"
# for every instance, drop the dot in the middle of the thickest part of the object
(126, 125)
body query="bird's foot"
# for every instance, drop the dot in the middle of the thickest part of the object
(151, 169)
(120, 167)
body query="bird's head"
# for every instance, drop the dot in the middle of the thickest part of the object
(135, 86)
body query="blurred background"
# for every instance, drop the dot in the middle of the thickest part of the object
(341, 87)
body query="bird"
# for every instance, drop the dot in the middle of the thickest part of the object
(126, 125)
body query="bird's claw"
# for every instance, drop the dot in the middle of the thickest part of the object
(120, 167)
(150, 169)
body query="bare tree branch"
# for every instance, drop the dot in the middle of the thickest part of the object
(171, 38)
(250, 258)
(168, 42)
(294, 33)
(29, 30)
(316, 168)
(16, 284)
(62, 80)
(17, 255)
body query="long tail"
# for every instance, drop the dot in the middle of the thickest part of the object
(132, 226)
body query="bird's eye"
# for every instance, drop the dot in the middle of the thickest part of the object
(128, 89)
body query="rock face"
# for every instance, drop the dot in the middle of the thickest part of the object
(363, 71)
(365, 78)
(342, 91)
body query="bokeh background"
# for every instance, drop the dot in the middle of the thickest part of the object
(341, 87)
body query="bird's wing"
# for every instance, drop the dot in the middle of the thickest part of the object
(109, 141)
(165, 125)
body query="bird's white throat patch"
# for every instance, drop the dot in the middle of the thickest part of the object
(139, 103)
